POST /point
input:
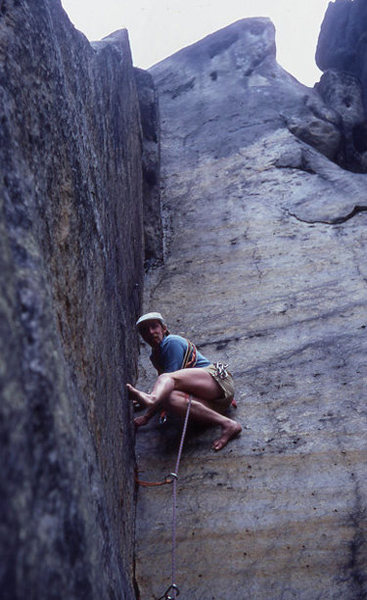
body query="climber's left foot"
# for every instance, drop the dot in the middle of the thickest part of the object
(139, 398)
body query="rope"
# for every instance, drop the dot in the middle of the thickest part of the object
(172, 592)
(174, 497)
(167, 479)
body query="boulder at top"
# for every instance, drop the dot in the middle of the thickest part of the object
(236, 68)
(235, 87)
(342, 54)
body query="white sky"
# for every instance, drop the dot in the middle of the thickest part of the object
(158, 28)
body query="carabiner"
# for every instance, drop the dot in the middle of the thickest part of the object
(163, 418)
(221, 370)
(166, 595)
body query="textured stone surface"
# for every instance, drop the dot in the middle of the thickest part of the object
(266, 270)
(342, 44)
(148, 102)
(342, 93)
(71, 264)
(342, 54)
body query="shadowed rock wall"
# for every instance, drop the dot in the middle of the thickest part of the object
(153, 231)
(342, 43)
(342, 54)
(266, 270)
(71, 265)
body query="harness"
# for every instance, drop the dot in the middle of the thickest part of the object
(189, 361)
(190, 358)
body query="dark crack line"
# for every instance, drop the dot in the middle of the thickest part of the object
(271, 331)
(358, 544)
(301, 167)
(274, 361)
(223, 342)
(354, 567)
(356, 210)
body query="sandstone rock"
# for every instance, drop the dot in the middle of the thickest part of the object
(265, 270)
(318, 125)
(153, 233)
(342, 92)
(320, 134)
(71, 264)
(243, 56)
(341, 44)
(342, 54)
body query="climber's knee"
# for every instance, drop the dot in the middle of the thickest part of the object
(176, 399)
(166, 379)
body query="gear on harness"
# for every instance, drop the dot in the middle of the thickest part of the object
(221, 370)
(163, 417)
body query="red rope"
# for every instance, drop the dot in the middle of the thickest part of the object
(168, 479)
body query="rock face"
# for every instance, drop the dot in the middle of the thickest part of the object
(342, 92)
(153, 233)
(342, 54)
(71, 268)
(266, 270)
(342, 44)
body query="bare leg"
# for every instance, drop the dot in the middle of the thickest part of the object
(201, 412)
(192, 381)
(167, 393)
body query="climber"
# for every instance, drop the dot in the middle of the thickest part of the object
(184, 372)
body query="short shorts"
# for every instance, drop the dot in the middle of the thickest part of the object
(226, 385)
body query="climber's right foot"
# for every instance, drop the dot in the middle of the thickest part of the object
(230, 430)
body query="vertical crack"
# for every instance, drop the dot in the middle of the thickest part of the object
(358, 546)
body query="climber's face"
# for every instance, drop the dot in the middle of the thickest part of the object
(152, 332)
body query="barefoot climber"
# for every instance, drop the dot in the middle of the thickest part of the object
(184, 372)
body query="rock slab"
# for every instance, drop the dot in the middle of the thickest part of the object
(265, 270)
(149, 110)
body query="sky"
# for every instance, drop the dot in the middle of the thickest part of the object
(159, 28)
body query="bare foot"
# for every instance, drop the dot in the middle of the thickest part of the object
(139, 398)
(229, 431)
(139, 421)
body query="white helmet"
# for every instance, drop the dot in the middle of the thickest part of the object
(152, 316)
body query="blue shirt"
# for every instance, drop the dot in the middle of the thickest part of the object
(170, 355)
